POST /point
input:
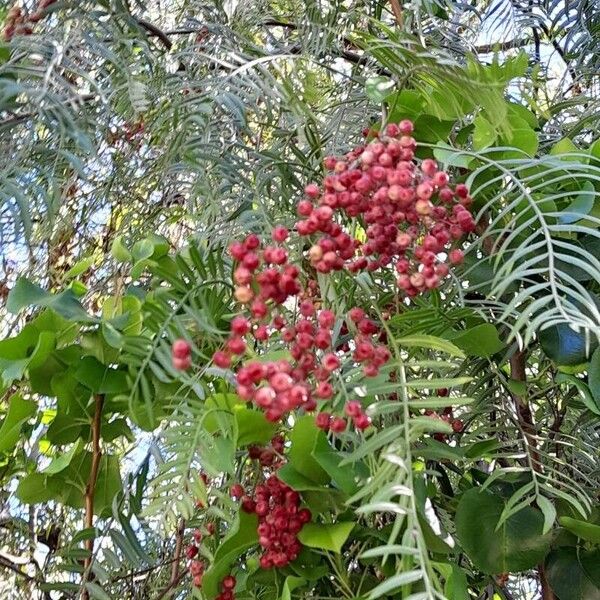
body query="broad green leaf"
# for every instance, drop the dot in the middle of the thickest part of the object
(119, 251)
(62, 461)
(325, 537)
(289, 585)
(407, 104)
(586, 531)
(25, 294)
(304, 437)
(570, 576)
(517, 545)
(36, 488)
(564, 146)
(19, 412)
(594, 377)
(242, 536)
(456, 587)
(581, 205)
(485, 133)
(79, 267)
(142, 249)
(481, 340)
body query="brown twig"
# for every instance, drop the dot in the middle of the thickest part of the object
(90, 487)
(517, 372)
(397, 10)
(171, 586)
(178, 549)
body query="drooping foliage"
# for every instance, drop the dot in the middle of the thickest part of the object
(299, 300)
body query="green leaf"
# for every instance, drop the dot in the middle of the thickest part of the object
(432, 343)
(521, 136)
(565, 346)
(407, 104)
(252, 426)
(62, 461)
(518, 544)
(79, 267)
(304, 437)
(378, 88)
(583, 530)
(96, 591)
(142, 249)
(242, 536)
(452, 157)
(581, 205)
(36, 488)
(594, 377)
(456, 587)
(548, 511)
(485, 133)
(325, 537)
(431, 129)
(119, 251)
(564, 146)
(25, 293)
(99, 378)
(481, 340)
(19, 412)
(569, 574)
(289, 585)
(394, 582)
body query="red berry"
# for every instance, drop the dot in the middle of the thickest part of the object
(236, 491)
(228, 583)
(181, 364)
(323, 420)
(338, 425)
(191, 551)
(456, 256)
(181, 349)
(221, 359)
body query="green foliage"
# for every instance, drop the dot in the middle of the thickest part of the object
(138, 142)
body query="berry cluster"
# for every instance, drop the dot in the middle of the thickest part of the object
(412, 215)
(181, 354)
(280, 519)
(227, 587)
(446, 416)
(268, 455)
(265, 280)
(197, 570)
(19, 23)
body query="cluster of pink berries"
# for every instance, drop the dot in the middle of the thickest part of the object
(412, 215)
(196, 567)
(265, 280)
(280, 519)
(446, 416)
(227, 587)
(181, 355)
(19, 23)
(268, 455)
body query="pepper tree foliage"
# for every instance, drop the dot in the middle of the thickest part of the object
(139, 141)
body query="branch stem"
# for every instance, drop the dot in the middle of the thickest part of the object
(90, 487)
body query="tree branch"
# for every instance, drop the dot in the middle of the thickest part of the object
(178, 549)
(8, 564)
(90, 487)
(397, 10)
(155, 31)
